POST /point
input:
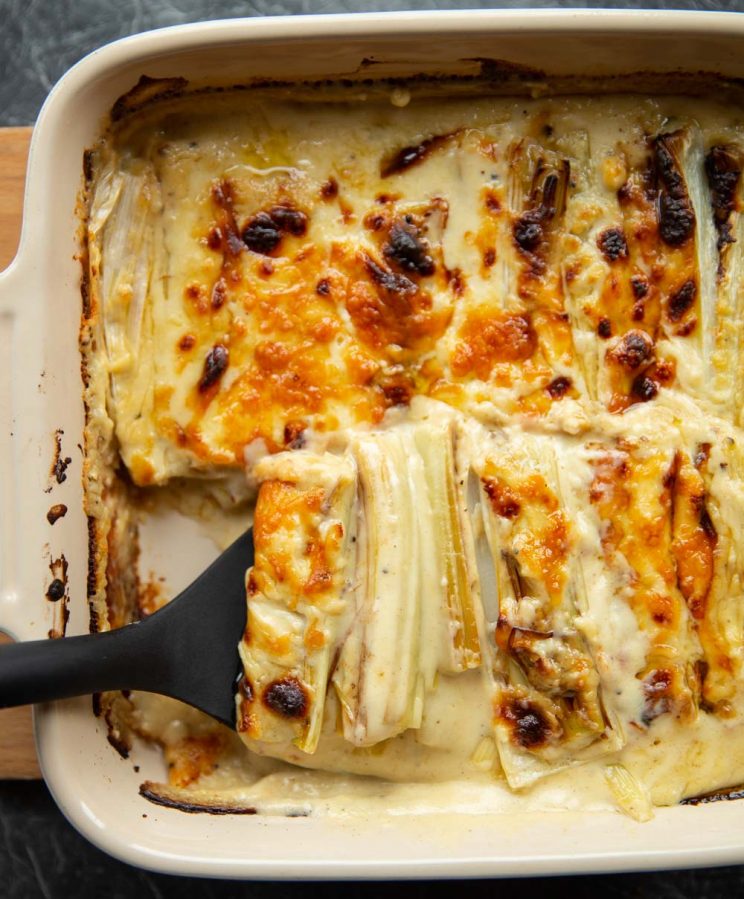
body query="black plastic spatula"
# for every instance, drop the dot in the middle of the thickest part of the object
(187, 649)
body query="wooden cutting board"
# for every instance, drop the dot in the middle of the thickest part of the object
(17, 750)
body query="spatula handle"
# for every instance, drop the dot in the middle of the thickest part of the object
(43, 670)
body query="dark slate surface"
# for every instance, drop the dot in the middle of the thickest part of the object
(40, 854)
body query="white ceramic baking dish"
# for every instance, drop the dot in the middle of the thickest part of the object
(40, 394)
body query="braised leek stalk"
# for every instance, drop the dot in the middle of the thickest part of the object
(548, 711)
(299, 595)
(723, 169)
(688, 238)
(708, 508)
(127, 282)
(539, 185)
(417, 591)
(121, 224)
(632, 492)
(379, 678)
(650, 313)
(456, 618)
(631, 797)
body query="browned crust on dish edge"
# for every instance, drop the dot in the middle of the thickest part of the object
(160, 794)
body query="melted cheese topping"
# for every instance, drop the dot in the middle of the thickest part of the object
(264, 266)
(514, 326)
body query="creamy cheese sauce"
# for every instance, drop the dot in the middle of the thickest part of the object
(274, 273)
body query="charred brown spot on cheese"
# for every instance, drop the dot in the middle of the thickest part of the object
(390, 281)
(634, 349)
(187, 342)
(604, 328)
(663, 371)
(263, 233)
(323, 287)
(407, 250)
(503, 499)
(404, 159)
(252, 587)
(493, 203)
(287, 697)
(397, 387)
(489, 257)
(639, 286)
(456, 281)
(546, 202)
(682, 300)
(294, 434)
(675, 213)
(528, 232)
(559, 387)
(290, 220)
(658, 695)
(706, 523)
(219, 293)
(329, 189)
(613, 244)
(374, 221)
(644, 388)
(56, 512)
(529, 724)
(214, 238)
(223, 197)
(56, 590)
(723, 166)
(214, 367)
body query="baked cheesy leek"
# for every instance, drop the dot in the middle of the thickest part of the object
(480, 359)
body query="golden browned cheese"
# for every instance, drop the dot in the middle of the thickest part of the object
(548, 704)
(260, 273)
(632, 490)
(297, 596)
(483, 359)
(193, 757)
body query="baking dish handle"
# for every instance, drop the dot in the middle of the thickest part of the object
(19, 616)
(8, 555)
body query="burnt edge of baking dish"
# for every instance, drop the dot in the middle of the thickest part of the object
(147, 90)
(159, 795)
(726, 795)
(499, 77)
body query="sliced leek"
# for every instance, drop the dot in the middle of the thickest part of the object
(299, 595)
(379, 678)
(548, 711)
